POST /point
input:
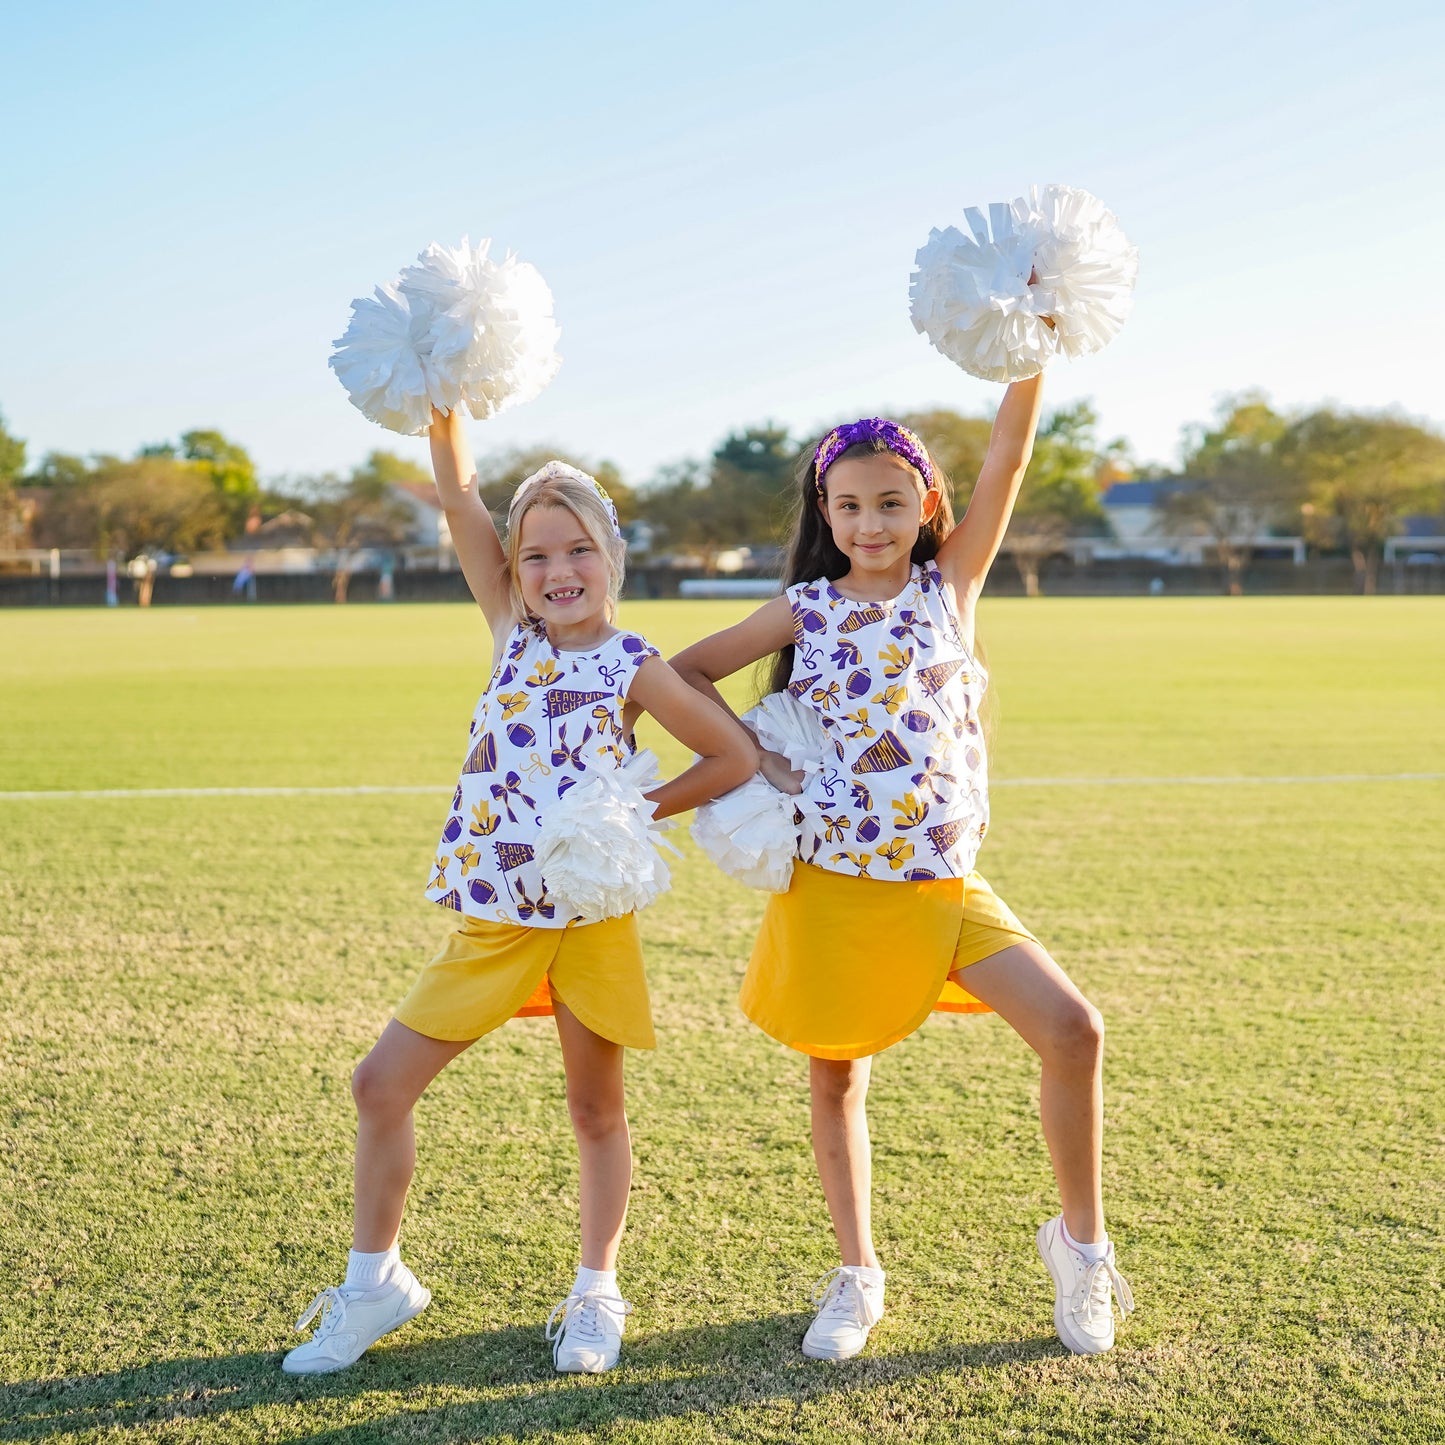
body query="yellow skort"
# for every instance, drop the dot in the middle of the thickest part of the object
(487, 973)
(844, 967)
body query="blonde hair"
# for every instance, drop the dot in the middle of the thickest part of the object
(579, 495)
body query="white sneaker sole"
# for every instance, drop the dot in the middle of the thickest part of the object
(1071, 1340)
(832, 1352)
(408, 1311)
(577, 1368)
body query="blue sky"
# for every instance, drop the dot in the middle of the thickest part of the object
(725, 200)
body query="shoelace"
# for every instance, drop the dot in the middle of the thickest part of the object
(578, 1316)
(839, 1295)
(331, 1305)
(1092, 1291)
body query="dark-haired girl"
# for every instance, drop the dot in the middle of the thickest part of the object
(885, 919)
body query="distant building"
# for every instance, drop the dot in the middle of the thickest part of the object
(639, 537)
(1135, 511)
(428, 525)
(1421, 525)
(1420, 540)
(288, 530)
(1137, 517)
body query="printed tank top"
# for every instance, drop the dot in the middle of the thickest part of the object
(905, 795)
(546, 718)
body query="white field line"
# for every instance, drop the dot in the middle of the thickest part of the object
(438, 788)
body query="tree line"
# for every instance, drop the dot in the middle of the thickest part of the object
(1341, 479)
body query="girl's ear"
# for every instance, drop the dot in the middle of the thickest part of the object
(930, 505)
(823, 512)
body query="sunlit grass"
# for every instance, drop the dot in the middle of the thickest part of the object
(187, 983)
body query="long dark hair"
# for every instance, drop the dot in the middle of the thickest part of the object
(812, 552)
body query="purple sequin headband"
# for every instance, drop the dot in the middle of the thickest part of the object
(898, 439)
(552, 471)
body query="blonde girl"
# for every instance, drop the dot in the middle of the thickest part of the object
(885, 919)
(566, 687)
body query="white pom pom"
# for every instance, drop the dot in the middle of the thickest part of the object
(384, 360)
(972, 298)
(750, 834)
(493, 334)
(455, 329)
(597, 847)
(785, 725)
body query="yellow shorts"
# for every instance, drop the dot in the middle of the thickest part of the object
(844, 967)
(487, 973)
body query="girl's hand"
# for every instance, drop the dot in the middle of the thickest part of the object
(727, 754)
(780, 772)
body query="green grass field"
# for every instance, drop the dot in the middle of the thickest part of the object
(187, 983)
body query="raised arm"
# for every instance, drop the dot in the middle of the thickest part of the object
(964, 559)
(727, 756)
(474, 534)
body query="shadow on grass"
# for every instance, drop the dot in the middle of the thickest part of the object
(662, 1376)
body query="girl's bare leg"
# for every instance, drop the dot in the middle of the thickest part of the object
(840, 1146)
(1027, 989)
(604, 1146)
(386, 1085)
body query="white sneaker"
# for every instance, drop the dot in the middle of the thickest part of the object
(352, 1320)
(1083, 1312)
(586, 1332)
(850, 1303)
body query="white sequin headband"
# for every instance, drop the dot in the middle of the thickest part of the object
(557, 471)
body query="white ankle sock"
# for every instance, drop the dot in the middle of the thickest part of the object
(371, 1271)
(1094, 1252)
(868, 1273)
(596, 1281)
